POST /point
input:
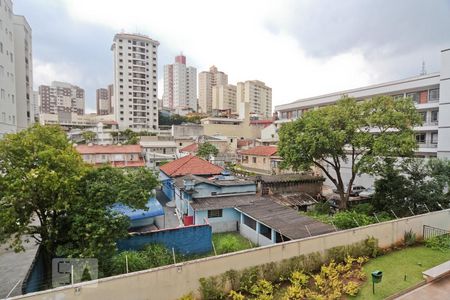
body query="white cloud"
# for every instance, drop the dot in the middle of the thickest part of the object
(233, 36)
(46, 72)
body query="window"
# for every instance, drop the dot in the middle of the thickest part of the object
(254, 160)
(250, 222)
(434, 95)
(421, 138)
(265, 231)
(423, 116)
(214, 213)
(434, 138)
(434, 116)
(1, 47)
(413, 96)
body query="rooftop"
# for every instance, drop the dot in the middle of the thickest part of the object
(223, 202)
(284, 220)
(218, 180)
(190, 148)
(154, 209)
(108, 149)
(261, 151)
(190, 164)
(289, 178)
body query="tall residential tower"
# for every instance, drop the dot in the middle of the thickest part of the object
(258, 95)
(180, 85)
(206, 81)
(135, 102)
(16, 71)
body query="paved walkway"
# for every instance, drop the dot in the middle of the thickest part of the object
(171, 219)
(14, 267)
(435, 290)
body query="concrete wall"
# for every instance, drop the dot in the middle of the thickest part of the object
(186, 240)
(228, 221)
(171, 282)
(187, 130)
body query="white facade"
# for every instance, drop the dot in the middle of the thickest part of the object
(135, 103)
(258, 95)
(431, 94)
(206, 81)
(16, 80)
(180, 85)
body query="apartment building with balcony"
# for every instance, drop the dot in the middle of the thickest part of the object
(258, 95)
(103, 100)
(206, 81)
(180, 85)
(16, 71)
(135, 92)
(430, 93)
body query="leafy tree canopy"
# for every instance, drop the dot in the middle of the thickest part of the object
(206, 149)
(48, 193)
(357, 135)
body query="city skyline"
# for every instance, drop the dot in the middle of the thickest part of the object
(310, 53)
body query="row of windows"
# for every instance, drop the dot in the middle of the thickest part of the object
(421, 138)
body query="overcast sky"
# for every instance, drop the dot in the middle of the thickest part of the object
(299, 48)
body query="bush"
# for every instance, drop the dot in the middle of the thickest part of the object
(441, 242)
(211, 288)
(136, 261)
(322, 208)
(409, 238)
(229, 242)
(351, 219)
(365, 208)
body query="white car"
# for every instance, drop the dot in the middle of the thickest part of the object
(355, 191)
(368, 193)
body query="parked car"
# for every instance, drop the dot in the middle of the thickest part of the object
(368, 193)
(355, 191)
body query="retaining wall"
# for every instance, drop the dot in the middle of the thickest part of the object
(171, 282)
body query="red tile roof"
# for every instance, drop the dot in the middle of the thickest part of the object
(261, 151)
(190, 148)
(261, 121)
(108, 149)
(243, 143)
(190, 165)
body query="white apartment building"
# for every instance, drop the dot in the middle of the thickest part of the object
(224, 97)
(16, 71)
(135, 102)
(180, 85)
(258, 95)
(206, 81)
(61, 98)
(430, 92)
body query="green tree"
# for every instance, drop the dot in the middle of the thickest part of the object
(88, 136)
(206, 149)
(357, 134)
(49, 194)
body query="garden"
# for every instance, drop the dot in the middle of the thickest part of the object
(156, 255)
(341, 273)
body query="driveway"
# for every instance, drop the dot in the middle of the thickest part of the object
(171, 219)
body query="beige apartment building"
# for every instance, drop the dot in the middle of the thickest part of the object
(258, 95)
(224, 97)
(60, 98)
(103, 100)
(206, 81)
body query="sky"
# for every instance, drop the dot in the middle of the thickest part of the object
(300, 48)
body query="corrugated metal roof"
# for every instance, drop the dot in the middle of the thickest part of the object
(154, 209)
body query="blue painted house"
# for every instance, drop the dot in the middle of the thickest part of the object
(189, 164)
(213, 199)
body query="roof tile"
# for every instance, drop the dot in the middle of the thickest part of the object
(190, 165)
(261, 151)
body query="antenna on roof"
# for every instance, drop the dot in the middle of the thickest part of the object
(424, 70)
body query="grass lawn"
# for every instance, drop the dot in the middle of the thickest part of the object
(410, 261)
(230, 242)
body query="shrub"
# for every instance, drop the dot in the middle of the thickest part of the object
(189, 296)
(262, 290)
(441, 242)
(226, 243)
(351, 219)
(157, 255)
(365, 208)
(136, 261)
(322, 208)
(409, 238)
(248, 278)
(210, 288)
(236, 295)
(351, 288)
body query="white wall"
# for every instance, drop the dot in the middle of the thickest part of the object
(171, 282)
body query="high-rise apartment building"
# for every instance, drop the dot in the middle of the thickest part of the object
(258, 95)
(135, 102)
(224, 97)
(103, 100)
(61, 97)
(16, 71)
(206, 81)
(180, 85)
